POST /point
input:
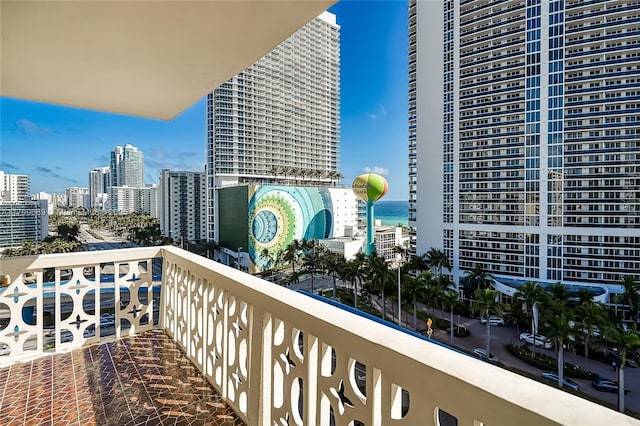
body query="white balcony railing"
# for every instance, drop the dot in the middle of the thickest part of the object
(275, 355)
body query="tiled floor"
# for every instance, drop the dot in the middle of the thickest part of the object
(140, 380)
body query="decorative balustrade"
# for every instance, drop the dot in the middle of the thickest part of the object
(276, 356)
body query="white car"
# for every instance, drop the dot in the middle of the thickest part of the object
(493, 320)
(540, 340)
(482, 353)
(4, 349)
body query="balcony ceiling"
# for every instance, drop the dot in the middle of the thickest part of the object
(145, 58)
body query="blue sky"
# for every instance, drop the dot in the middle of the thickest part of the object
(58, 146)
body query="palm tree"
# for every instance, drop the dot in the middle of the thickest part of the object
(311, 257)
(268, 259)
(352, 272)
(437, 259)
(558, 292)
(418, 263)
(291, 254)
(591, 315)
(415, 289)
(478, 277)
(486, 304)
(449, 301)
(332, 262)
(631, 295)
(557, 327)
(379, 275)
(625, 341)
(529, 295)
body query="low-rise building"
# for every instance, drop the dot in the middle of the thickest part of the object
(19, 222)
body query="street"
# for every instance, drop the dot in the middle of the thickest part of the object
(502, 336)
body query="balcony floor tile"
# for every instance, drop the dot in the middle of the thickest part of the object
(139, 380)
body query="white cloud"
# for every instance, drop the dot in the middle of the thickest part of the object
(29, 127)
(382, 112)
(377, 169)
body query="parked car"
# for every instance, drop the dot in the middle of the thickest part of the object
(482, 353)
(549, 375)
(107, 320)
(89, 333)
(66, 336)
(493, 320)
(540, 340)
(4, 349)
(606, 385)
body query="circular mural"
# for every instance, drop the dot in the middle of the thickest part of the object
(264, 226)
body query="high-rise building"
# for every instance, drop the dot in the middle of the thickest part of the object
(279, 118)
(524, 144)
(127, 167)
(183, 205)
(14, 188)
(99, 183)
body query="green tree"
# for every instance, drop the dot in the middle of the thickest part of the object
(352, 272)
(478, 277)
(415, 289)
(624, 341)
(449, 301)
(631, 295)
(332, 262)
(437, 260)
(291, 254)
(557, 327)
(591, 315)
(529, 295)
(69, 231)
(379, 278)
(418, 263)
(558, 292)
(485, 304)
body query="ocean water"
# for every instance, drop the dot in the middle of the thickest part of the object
(392, 212)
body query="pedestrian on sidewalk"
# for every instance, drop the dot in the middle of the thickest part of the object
(614, 366)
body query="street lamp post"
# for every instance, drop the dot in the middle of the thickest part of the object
(238, 258)
(399, 301)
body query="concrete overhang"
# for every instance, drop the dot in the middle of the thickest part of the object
(145, 58)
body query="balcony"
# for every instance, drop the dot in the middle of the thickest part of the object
(269, 354)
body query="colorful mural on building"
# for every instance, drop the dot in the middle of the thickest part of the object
(280, 214)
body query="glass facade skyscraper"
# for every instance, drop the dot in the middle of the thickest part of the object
(278, 117)
(524, 144)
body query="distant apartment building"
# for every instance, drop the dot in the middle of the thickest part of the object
(78, 197)
(99, 184)
(126, 190)
(524, 137)
(14, 188)
(22, 221)
(125, 199)
(387, 240)
(183, 205)
(278, 120)
(127, 167)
